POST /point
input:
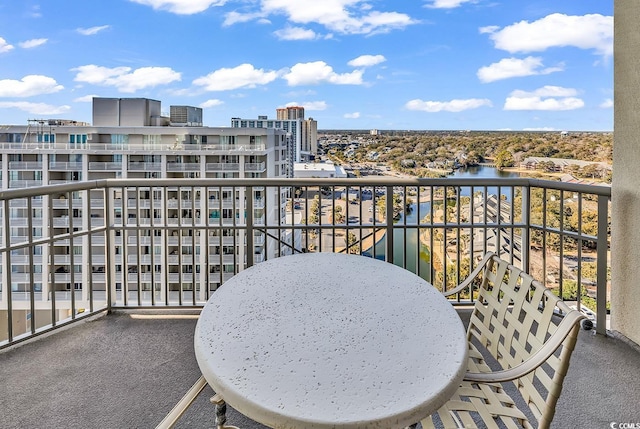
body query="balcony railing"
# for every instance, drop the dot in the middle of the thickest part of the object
(65, 166)
(25, 165)
(108, 148)
(105, 166)
(183, 166)
(16, 184)
(437, 228)
(144, 166)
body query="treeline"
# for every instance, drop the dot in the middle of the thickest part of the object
(410, 150)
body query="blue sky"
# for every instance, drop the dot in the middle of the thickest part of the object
(353, 64)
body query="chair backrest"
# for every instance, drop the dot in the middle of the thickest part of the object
(513, 318)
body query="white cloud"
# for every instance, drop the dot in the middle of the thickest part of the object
(607, 104)
(540, 129)
(546, 98)
(593, 32)
(447, 106)
(92, 30)
(211, 103)
(34, 108)
(367, 60)
(315, 105)
(181, 7)
(27, 44)
(488, 29)
(515, 67)
(547, 91)
(341, 16)
(4, 46)
(295, 33)
(242, 76)
(318, 72)
(35, 12)
(29, 86)
(124, 79)
(446, 4)
(354, 115)
(238, 18)
(85, 98)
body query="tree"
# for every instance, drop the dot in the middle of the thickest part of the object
(504, 159)
(353, 245)
(591, 170)
(589, 221)
(573, 169)
(337, 215)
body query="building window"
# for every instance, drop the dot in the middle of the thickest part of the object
(228, 140)
(46, 138)
(78, 138)
(151, 141)
(120, 139)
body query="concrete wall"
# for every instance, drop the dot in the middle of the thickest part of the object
(126, 112)
(137, 112)
(625, 240)
(106, 112)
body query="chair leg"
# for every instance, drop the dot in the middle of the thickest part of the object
(221, 412)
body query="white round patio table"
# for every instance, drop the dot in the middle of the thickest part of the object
(327, 340)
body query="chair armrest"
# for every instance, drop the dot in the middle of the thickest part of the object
(471, 277)
(535, 360)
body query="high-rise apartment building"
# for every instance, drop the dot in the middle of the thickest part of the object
(304, 132)
(291, 112)
(125, 141)
(309, 138)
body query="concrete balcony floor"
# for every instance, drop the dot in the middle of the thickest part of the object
(128, 369)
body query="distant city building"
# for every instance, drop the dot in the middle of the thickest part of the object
(304, 132)
(291, 112)
(309, 146)
(324, 170)
(124, 142)
(560, 164)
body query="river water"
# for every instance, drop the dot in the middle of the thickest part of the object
(411, 246)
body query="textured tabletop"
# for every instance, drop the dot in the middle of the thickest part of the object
(328, 340)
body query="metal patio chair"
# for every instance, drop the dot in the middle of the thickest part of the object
(519, 331)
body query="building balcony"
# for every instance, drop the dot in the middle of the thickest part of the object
(25, 165)
(143, 362)
(559, 232)
(222, 166)
(16, 184)
(179, 166)
(65, 166)
(248, 149)
(105, 166)
(144, 166)
(255, 167)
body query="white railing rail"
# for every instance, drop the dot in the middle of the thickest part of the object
(177, 243)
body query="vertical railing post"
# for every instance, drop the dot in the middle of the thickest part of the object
(7, 270)
(601, 264)
(526, 232)
(109, 219)
(389, 220)
(249, 222)
(86, 219)
(32, 297)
